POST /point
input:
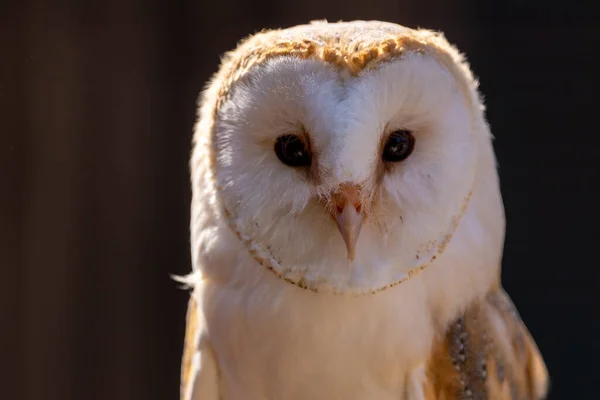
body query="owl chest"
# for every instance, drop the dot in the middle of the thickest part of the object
(306, 347)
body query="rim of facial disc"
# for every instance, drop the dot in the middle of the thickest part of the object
(270, 262)
(291, 274)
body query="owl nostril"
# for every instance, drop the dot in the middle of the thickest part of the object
(357, 207)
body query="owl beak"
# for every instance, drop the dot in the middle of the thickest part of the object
(348, 215)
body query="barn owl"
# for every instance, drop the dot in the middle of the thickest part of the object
(347, 226)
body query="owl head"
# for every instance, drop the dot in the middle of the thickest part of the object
(344, 157)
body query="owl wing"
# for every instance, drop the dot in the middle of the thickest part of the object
(487, 353)
(199, 371)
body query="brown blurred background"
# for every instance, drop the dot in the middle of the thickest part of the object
(97, 103)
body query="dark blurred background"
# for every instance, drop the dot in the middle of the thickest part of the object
(97, 104)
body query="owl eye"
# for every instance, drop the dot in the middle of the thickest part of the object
(291, 150)
(398, 146)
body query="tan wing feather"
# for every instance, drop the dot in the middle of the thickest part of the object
(487, 353)
(190, 347)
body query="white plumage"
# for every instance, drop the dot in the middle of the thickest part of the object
(289, 304)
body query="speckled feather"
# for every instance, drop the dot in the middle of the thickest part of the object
(487, 353)
(354, 46)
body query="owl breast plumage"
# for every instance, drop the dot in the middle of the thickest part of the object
(347, 226)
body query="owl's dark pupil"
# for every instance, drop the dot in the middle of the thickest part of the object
(291, 150)
(398, 146)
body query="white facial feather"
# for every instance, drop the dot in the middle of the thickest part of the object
(249, 208)
(346, 120)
